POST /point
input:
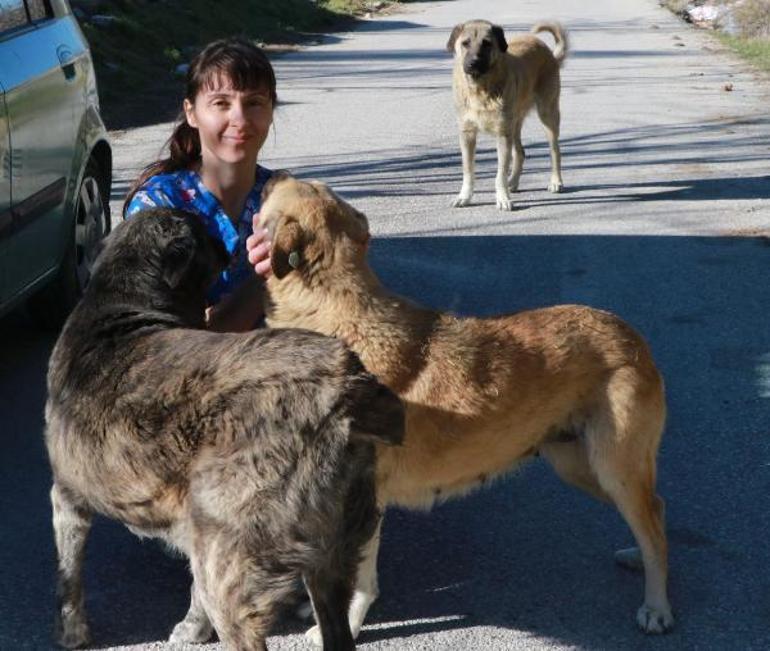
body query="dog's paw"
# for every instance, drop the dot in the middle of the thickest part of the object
(313, 635)
(72, 631)
(630, 558)
(191, 632)
(461, 201)
(504, 203)
(654, 620)
(555, 187)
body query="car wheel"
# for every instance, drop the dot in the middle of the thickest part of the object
(51, 306)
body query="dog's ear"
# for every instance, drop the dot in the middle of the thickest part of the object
(357, 227)
(450, 44)
(288, 248)
(499, 36)
(177, 258)
(275, 177)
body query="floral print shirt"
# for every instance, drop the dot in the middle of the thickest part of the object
(184, 189)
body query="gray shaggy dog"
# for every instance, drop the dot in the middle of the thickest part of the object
(250, 453)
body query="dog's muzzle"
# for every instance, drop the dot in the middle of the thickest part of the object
(475, 68)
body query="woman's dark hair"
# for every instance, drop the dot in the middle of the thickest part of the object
(236, 59)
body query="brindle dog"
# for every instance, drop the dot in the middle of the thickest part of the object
(250, 453)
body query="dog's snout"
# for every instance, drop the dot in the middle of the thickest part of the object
(474, 65)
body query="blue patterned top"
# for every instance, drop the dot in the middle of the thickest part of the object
(184, 189)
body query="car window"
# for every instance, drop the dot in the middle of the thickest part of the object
(12, 15)
(39, 10)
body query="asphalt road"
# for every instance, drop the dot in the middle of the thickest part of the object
(665, 220)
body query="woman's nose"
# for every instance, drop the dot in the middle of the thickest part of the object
(237, 112)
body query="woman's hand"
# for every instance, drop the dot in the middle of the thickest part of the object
(258, 248)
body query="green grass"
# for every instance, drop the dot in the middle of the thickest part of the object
(136, 56)
(755, 50)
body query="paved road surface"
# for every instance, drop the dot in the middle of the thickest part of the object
(665, 220)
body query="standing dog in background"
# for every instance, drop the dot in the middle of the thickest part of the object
(496, 83)
(250, 453)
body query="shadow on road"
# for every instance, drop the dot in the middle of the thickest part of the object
(528, 553)
(652, 150)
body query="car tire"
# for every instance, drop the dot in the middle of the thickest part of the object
(51, 305)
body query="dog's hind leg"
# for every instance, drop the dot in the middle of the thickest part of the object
(504, 157)
(548, 110)
(366, 589)
(622, 438)
(468, 151)
(71, 524)
(518, 158)
(330, 596)
(239, 589)
(196, 627)
(569, 459)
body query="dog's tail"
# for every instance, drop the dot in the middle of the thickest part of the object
(559, 35)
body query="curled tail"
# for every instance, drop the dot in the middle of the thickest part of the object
(559, 35)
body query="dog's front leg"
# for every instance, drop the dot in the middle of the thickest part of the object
(504, 156)
(196, 627)
(468, 149)
(366, 591)
(518, 158)
(71, 524)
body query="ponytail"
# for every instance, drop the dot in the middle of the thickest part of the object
(184, 148)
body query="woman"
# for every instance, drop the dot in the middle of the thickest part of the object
(212, 170)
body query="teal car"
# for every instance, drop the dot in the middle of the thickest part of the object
(55, 160)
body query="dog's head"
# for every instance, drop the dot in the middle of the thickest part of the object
(312, 229)
(477, 45)
(160, 257)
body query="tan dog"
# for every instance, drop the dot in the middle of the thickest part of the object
(573, 384)
(495, 85)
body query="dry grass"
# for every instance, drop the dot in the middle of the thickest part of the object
(752, 17)
(751, 20)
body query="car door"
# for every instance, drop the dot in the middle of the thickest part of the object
(6, 219)
(44, 91)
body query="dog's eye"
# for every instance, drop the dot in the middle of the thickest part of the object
(466, 42)
(485, 43)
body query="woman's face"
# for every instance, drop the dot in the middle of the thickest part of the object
(232, 124)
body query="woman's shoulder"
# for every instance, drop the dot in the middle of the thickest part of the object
(263, 175)
(170, 180)
(170, 190)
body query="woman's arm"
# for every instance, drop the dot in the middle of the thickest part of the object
(243, 309)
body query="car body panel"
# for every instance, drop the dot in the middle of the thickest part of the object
(54, 128)
(42, 74)
(6, 218)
